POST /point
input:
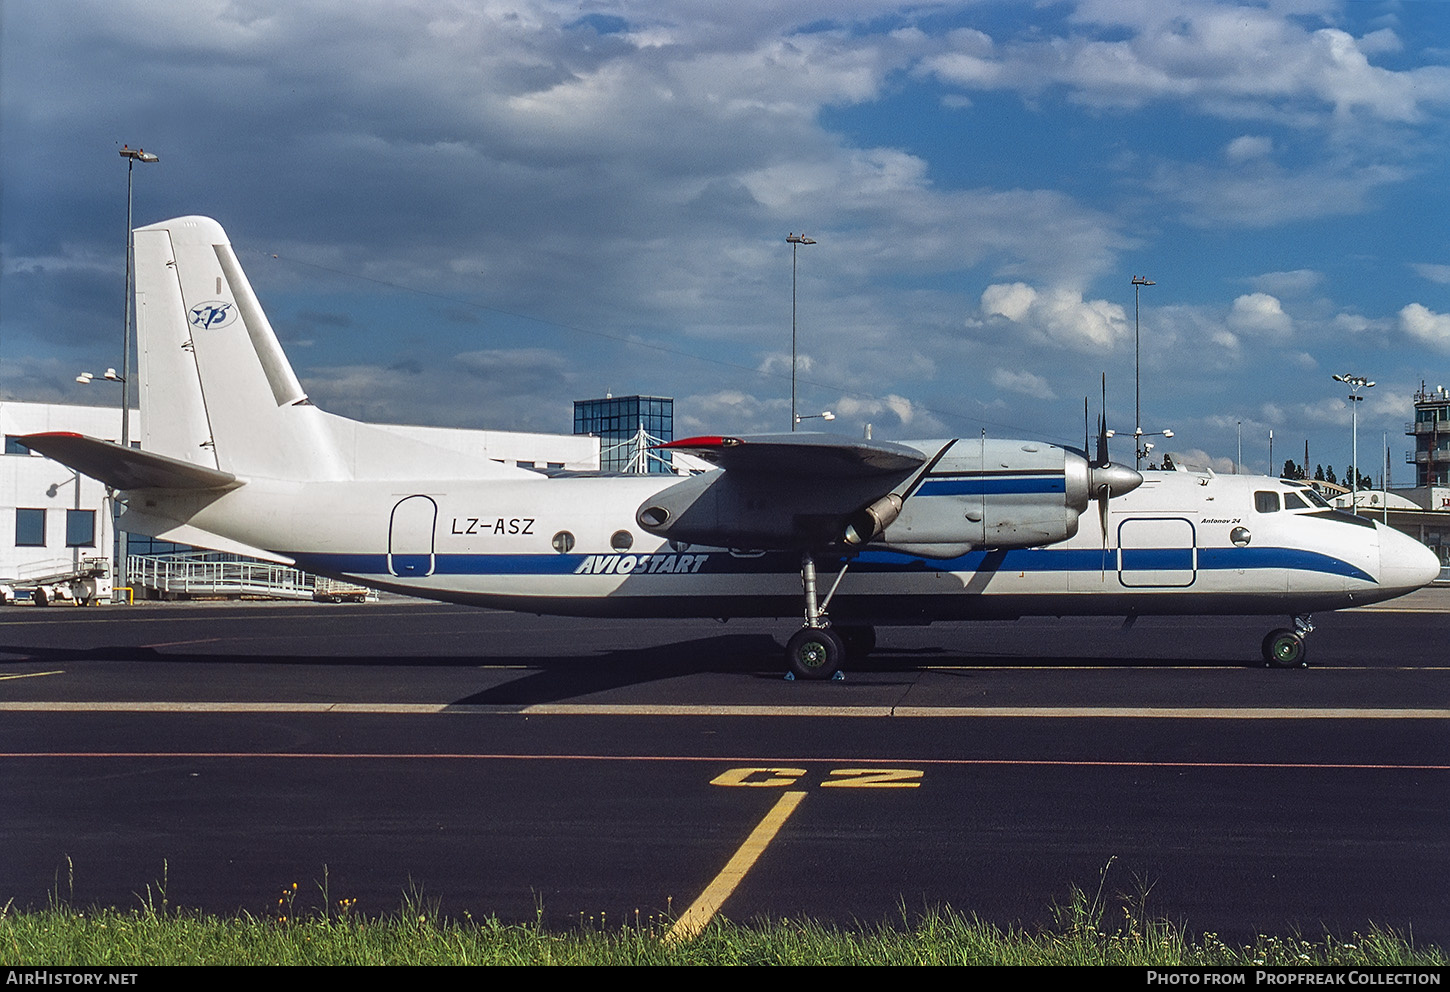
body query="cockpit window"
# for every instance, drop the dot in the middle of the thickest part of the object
(1313, 497)
(1293, 502)
(1266, 502)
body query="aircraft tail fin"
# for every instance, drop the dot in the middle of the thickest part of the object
(216, 389)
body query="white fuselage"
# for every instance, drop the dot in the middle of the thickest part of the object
(1182, 543)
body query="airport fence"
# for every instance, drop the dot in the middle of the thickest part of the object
(205, 575)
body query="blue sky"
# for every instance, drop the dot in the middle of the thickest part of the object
(480, 211)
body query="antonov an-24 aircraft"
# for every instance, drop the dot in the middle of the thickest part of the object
(235, 457)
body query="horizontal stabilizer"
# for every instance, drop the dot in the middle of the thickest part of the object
(817, 456)
(122, 468)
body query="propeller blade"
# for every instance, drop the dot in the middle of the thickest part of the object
(1102, 458)
(1104, 494)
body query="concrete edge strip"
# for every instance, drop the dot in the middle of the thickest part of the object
(642, 710)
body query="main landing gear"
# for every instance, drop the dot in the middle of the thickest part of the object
(818, 650)
(1284, 648)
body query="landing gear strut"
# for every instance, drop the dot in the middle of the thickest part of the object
(816, 651)
(1284, 648)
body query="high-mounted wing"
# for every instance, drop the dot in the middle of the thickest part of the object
(126, 468)
(784, 491)
(939, 499)
(820, 456)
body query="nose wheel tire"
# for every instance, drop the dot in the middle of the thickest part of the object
(815, 653)
(1283, 648)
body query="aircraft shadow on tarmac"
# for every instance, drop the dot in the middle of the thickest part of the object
(757, 656)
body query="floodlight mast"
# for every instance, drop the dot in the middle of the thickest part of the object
(1355, 384)
(132, 156)
(1138, 452)
(795, 241)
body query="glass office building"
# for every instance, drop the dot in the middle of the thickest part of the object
(627, 426)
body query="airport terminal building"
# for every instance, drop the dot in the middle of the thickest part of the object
(627, 427)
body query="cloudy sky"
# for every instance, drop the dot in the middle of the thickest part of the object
(472, 213)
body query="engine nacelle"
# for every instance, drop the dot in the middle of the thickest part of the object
(1001, 494)
(975, 494)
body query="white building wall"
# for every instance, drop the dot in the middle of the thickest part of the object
(31, 482)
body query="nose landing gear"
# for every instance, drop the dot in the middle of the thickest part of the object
(1284, 648)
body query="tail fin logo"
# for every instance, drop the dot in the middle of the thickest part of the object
(213, 314)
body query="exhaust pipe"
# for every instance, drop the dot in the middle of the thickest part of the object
(874, 519)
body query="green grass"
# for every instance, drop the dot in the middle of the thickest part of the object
(1087, 931)
(65, 937)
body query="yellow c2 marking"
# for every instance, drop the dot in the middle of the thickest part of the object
(874, 778)
(774, 777)
(843, 778)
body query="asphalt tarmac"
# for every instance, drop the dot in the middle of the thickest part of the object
(586, 771)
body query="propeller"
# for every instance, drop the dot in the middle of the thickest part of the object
(1105, 477)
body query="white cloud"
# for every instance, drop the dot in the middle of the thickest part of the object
(1426, 326)
(1260, 194)
(1247, 147)
(1234, 60)
(1260, 314)
(1296, 283)
(1058, 314)
(1012, 301)
(730, 410)
(1351, 323)
(1023, 382)
(858, 408)
(1432, 272)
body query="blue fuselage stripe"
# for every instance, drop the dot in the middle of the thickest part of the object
(992, 485)
(721, 562)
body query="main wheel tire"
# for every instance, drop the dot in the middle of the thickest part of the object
(1283, 648)
(815, 653)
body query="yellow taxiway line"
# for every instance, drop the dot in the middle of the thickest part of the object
(703, 909)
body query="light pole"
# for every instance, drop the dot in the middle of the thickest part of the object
(1138, 283)
(1141, 447)
(795, 241)
(132, 156)
(1355, 384)
(824, 415)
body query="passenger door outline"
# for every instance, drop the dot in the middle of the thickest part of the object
(411, 529)
(1157, 553)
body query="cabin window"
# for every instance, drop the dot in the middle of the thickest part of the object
(1266, 502)
(563, 542)
(1293, 502)
(621, 540)
(29, 528)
